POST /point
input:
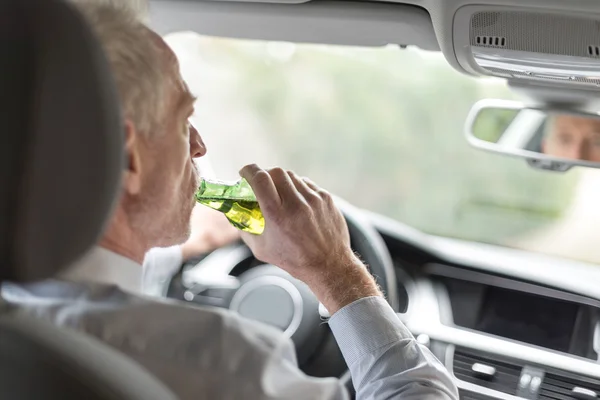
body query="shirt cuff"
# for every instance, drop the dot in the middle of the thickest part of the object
(368, 324)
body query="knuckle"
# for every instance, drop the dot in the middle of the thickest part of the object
(277, 172)
(325, 195)
(292, 175)
(313, 199)
(261, 177)
(304, 207)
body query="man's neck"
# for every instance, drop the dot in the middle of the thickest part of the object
(122, 249)
(121, 239)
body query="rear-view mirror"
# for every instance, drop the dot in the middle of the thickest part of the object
(548, 138)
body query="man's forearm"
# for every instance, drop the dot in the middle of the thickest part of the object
(342, 282)
(384, 359)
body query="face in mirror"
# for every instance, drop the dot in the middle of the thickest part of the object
(572, 136)
(567, 137)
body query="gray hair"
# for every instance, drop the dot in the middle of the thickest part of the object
(134, 57)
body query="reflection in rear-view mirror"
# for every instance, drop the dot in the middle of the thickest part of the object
(538, 134)
(572, 136)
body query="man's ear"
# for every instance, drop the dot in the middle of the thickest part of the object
(132, 175)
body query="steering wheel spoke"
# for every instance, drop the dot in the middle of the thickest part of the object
(213, 291)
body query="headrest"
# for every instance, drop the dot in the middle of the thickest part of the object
(62, 141)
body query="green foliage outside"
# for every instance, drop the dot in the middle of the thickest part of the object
(384, 128)
(491, 123)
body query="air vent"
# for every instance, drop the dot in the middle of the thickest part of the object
(567, 387)
(492, 41)
(594, 51)
(486, 370)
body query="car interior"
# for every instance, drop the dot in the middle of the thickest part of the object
(508, 321)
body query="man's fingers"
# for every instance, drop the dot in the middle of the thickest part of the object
(263, 186)
(285, 187)
(302, 187)
(249, 171)
(311, 185)
(325, 195)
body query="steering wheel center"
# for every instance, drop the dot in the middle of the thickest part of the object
(270, 299)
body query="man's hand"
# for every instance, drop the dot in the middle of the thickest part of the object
(210, 230)
(306, 235)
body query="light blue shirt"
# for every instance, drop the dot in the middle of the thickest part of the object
(211, 353)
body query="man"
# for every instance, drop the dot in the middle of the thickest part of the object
(210, 230)
(573, 137)
(211, 353)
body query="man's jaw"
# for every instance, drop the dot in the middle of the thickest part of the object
(195, 181)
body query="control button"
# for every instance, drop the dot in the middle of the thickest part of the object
(530, 382)
(484, 370)
(583, 393)
(524, 381)
(536, 382)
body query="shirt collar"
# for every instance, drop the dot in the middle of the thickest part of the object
(100, 265)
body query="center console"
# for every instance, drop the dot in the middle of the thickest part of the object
(528, 318)
(507, 339)
(520, 312)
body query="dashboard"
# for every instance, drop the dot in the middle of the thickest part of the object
(507, 339)
(507, 324)
(503, 332)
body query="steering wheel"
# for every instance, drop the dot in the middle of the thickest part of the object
(231, 278)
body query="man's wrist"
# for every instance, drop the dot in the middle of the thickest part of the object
(188, 251)
(344, 282)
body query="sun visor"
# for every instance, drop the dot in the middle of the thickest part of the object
(328, 22)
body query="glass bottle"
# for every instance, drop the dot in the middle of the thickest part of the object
(236, 200)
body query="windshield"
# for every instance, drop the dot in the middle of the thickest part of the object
(382, 128)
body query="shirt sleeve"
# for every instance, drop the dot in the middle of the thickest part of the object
(282, 379)
(384, 359)
(160, 264)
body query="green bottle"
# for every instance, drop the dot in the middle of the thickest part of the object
(236, 200)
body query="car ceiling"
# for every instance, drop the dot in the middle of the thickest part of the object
(427, 24)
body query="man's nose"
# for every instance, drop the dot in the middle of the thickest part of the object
(197, 146)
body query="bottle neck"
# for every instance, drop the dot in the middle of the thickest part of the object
(214, 189)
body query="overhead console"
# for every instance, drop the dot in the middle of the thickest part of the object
(529, 45)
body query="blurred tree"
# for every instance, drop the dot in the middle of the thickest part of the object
(383, 128)
(491, 123)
